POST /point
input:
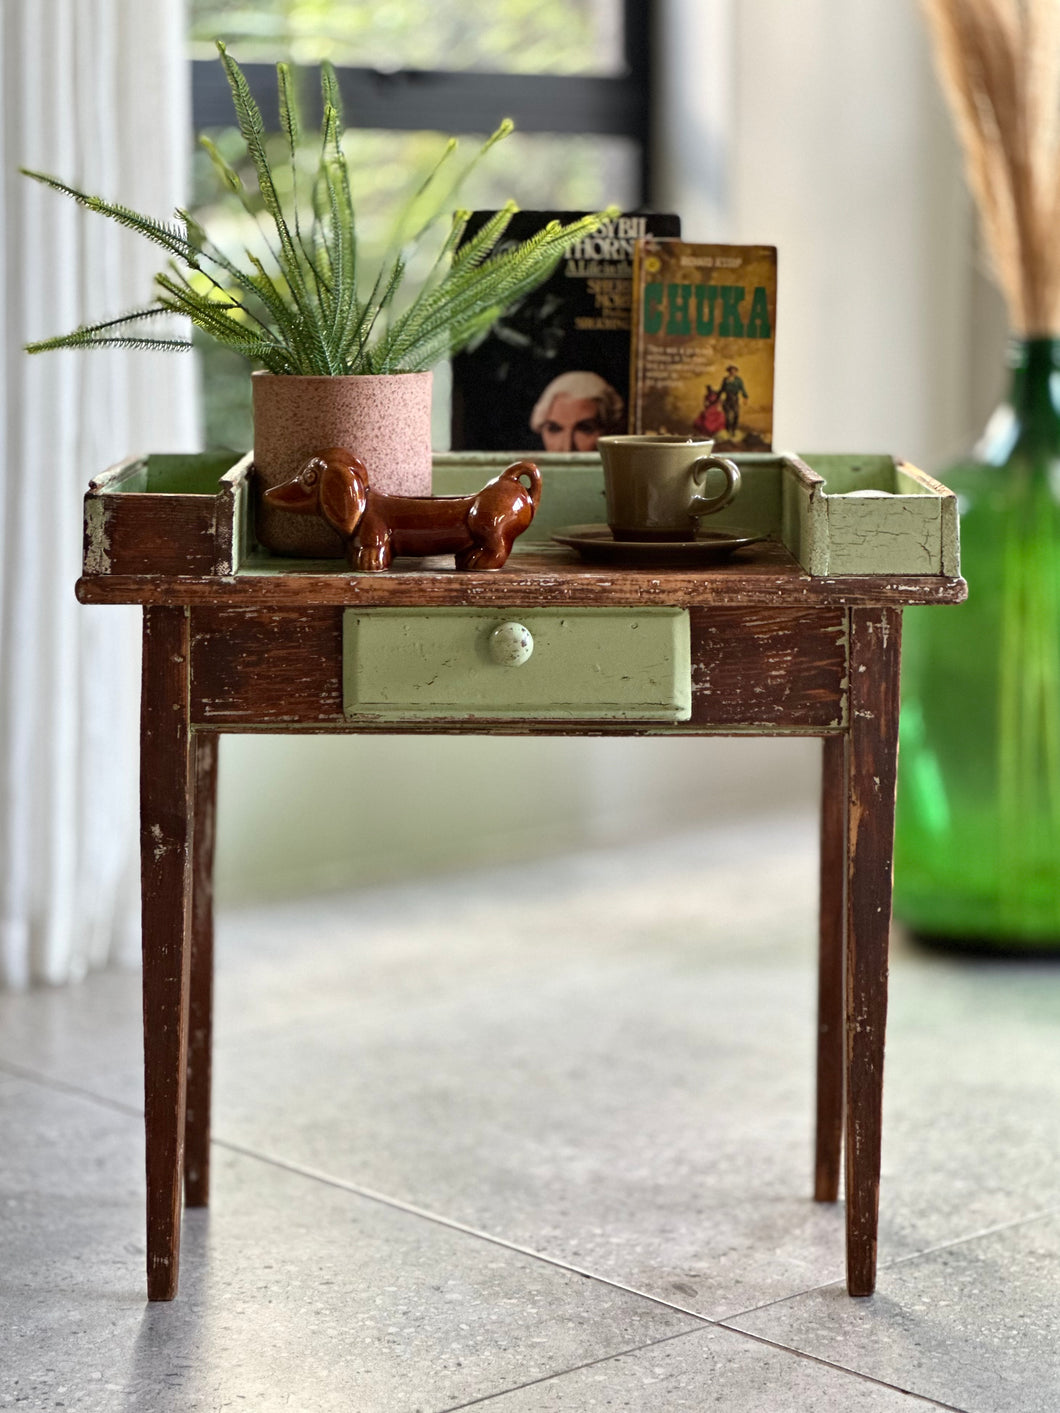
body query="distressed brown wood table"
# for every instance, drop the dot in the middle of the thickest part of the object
(762, 647)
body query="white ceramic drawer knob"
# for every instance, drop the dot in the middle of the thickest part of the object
(510, 645)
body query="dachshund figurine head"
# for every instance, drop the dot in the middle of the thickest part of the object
(332, 484)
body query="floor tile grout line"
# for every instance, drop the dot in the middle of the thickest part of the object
(973, 1236)
(890, 1265)
(344, 1185)
(574, 1369)
(63, 1086)
(699, 1334)
(840, 1368)
(398, 1204)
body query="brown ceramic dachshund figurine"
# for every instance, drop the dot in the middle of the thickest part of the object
(479, 529)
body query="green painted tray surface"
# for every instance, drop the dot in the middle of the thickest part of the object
(836, 514)
(171, 473)
(867, 515)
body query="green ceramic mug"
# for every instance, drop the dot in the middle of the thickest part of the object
(654, 485)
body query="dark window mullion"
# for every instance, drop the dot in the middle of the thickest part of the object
(414, 99)
(638, 38)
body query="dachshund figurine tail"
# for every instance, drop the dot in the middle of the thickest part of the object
(525, 468)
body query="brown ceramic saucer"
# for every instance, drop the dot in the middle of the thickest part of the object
(597, 544)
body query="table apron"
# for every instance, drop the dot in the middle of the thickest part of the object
(759, 671)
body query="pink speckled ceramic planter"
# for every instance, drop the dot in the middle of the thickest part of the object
(385, 419)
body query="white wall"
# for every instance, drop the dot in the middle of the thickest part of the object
(840, 153)
(816, 126)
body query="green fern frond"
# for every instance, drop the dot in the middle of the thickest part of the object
(441, 345)
(247, 295)
(219, 307)
(435, 290)
(330, 91)
(193, 233)
(234, 185)
(260, 351)
(132, 342)
(425, 204)
(252, 128)
(230, 178)
(290, 122)
(503, 130)
(289, 119)
(318, 250)
(496, 282)
(304, 351)
(169, 236)
(402, 237)
(81, 337)
(211, 319)
(292, 128)
(436, 275)
(339, 239)
(483, 241)
(205, 248)
(255, 286)
(347, 298)
(303, 313)
(205, 313)
(421, 220)
(373, 312)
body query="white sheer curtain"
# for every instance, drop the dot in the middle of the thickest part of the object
(96, 92)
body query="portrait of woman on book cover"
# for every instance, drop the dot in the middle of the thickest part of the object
(575, 410)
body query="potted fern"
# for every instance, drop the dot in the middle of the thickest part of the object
(344, 355)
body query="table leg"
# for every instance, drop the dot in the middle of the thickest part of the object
(166, 811)
(830, 999)
(197, 1114)
(875, 638)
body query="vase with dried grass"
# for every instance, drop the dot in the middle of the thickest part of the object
(978, 831)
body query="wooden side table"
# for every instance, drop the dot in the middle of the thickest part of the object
(772, 650)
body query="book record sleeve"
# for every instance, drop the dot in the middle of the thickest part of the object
(552, 373)
(703, 340)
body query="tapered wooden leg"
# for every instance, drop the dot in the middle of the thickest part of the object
(875, 636)
(166, 805)
(197, 1115)
(830, 997)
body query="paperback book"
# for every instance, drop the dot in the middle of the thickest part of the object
(553, 372)
(702, 342)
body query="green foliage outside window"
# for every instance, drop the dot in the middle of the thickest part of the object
(506, 36)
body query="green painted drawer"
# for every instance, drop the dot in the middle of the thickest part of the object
(577, 664)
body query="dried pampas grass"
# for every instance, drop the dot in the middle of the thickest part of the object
(999, 61)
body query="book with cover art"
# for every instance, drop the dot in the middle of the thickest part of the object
(702, 345)
(553, 372)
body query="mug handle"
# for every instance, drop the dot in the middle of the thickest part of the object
(706, 505)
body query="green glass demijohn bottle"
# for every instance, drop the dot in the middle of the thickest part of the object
(977, 849)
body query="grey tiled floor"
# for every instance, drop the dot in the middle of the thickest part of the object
(544, 1156)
